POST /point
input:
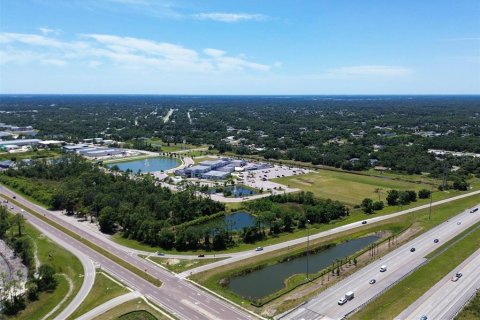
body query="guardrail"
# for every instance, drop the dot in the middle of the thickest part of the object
(466, 302)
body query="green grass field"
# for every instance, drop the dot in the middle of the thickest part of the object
(103, 290)
(132, 310)
(180, 265)
(347, 187)
(173, 147)
(407, 291)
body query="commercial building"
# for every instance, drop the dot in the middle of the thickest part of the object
(216, 175)
(214, 164)
(196, 171)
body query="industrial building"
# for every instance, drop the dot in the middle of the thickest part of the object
(92, 152)
(20, 142)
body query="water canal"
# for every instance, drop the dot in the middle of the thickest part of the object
(270, 279)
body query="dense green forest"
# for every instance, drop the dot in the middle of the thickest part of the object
(349, 132)
(154, 215)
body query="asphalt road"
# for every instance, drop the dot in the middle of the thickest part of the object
(399, 262)
(447, 298)
(88, 266)
(178, 297)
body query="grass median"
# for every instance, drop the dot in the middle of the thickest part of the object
(89, 244)
(103, 290)
(407, 291)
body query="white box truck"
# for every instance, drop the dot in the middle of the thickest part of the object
(383, 268)
(349, 295)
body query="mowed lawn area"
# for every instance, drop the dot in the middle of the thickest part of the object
(347, 187)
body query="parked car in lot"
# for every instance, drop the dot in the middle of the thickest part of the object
(258, 248)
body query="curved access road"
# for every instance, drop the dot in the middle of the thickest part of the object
(88, 266)
(447, 298)
(399, 263)
(178, 297)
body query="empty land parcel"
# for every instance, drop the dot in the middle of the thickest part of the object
(347, 187)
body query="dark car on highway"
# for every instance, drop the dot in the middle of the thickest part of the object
(412, 250)
(435, 241)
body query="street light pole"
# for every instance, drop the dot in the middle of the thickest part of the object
(430, 212)
(308, 242)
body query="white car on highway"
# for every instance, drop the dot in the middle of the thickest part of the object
(383, 268)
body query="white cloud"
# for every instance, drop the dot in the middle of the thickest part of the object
(47, 31)
(229, 17)
(54, 62)
(371, 70)
(128, 52)
(214, 52)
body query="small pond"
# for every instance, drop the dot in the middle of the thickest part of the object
(147, 165)
(236, 191)
(234, 222)
(268, 280)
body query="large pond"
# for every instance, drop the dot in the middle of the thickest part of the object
(268, 280)
(147, 165)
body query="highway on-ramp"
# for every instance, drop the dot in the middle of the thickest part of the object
(178, 297)
(399, 263)
(446, 298)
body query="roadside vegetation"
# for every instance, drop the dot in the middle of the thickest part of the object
(60, 273)
(103, 290)
(471, 310)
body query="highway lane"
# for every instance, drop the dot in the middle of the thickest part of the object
(447, 298)
(399, 262)
(88, 266)
(177, 296)
(234, 257)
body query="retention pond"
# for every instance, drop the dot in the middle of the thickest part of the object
(147, 165)
(268, 280)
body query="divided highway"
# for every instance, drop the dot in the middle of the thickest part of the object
(399, 263)
(446, 298)
(180, 298)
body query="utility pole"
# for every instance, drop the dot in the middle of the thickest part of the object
(308, 242)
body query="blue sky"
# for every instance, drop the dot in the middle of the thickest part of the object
(240, 47)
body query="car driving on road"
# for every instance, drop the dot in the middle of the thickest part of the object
(258, 248)
(373, 281)
(457, 276)
(342, 301)
(383, 268)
